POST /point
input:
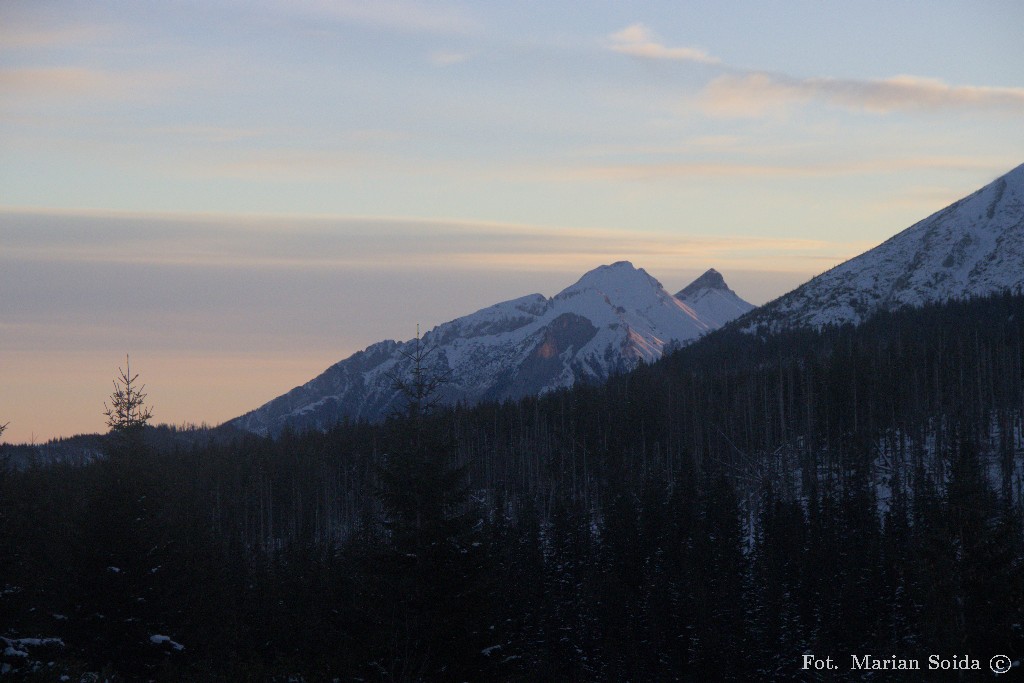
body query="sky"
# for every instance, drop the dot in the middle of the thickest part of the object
(240, 193)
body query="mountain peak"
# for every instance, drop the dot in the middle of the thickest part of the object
(619, 269)
(616, 277)
(614, 317)
(711, 279)
(711, 299)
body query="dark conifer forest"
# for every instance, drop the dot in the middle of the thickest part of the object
(746, 501)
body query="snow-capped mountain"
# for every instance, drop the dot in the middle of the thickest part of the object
(973, 247)
(711, 299)
(608, 321)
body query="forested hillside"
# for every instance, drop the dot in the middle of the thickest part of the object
(744, 501)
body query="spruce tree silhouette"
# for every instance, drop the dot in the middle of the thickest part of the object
(121, 534)
(127, 411)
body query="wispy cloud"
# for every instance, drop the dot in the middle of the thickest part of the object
(283, 165)
(14, 36)
(751, 95)
(638, 41)
(794, 169)
(699, 143)
(80, 83)
(448, 58)
(211, 134)
(59, 81)
(399, 15)
(197, 240)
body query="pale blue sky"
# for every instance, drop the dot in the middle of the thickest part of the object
(240, 193)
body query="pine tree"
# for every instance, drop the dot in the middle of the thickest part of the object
(127, 412)
(121, 539)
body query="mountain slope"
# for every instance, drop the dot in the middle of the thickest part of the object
(971, 248)
(612, 318)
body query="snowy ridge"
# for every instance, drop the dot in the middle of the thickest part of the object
(973, 247)
(608, 321)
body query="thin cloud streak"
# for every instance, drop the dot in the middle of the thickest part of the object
(81, 84)
(59, 81)
(396, 15)
(289, 243)
(653, 171)
(753, 95)
(288, 165)
(209, 133)
(14, 37)
(448, 58)
(638, 41)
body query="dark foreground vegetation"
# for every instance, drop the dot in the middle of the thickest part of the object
(715, 516)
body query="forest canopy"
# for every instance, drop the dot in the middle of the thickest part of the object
(842, 491)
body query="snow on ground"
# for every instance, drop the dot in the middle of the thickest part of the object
(159, 639)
